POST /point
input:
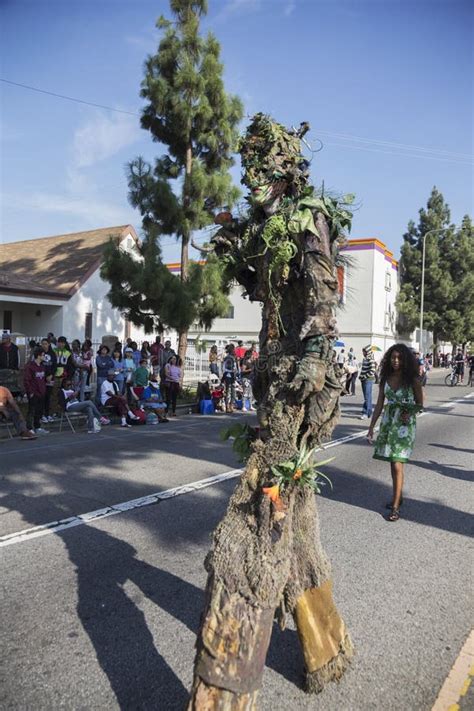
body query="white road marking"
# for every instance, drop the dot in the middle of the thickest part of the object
(57, 526)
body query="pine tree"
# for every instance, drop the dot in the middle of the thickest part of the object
(439, 293)
(187, 111)
(457, 250)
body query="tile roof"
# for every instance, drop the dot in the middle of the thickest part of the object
(9, 283)
(57, 265)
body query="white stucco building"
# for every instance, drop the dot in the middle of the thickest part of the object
(368, 287)
(53, 284)
(367, 313)
(242, 322)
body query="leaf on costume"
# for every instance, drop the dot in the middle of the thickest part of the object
(320, 474)
(273, 493)
(325, 461)
(286, 465)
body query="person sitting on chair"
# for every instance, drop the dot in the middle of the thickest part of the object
(10, 410)
(151, 399)
(69, 401)
(110, 397)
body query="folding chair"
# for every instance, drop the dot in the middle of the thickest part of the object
(69, 417)
(4, 422)
(65, 415)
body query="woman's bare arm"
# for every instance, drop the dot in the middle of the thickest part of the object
(377, 411)
(418, 392)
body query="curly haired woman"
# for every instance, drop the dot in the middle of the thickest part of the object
(400, 386)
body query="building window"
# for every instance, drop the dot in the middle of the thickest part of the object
(230, 312)
(388, 280)
(8, 320)
(88, 326)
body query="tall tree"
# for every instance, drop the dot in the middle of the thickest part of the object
(267, 559)
(187, 111)
(439, 293)
(457, 251)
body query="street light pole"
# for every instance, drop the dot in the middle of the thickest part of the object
(422, 295)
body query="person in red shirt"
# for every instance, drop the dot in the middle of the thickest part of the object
(240, 351)
(34, 380)
(155, 350)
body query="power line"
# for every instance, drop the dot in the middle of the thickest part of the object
(69, 98)
(392, 144)
(444, 155)
(386, 151)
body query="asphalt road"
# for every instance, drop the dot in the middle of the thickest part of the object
(103, 615)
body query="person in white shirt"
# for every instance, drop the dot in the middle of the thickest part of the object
(110, 397)
(173, 375)
(68, 397)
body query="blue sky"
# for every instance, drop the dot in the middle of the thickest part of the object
(385, 84)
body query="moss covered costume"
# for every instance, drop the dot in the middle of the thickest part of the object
(396, 438)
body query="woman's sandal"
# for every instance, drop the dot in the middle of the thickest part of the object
(389, 504)
(394, 515)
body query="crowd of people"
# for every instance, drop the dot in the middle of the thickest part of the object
(136, 384)
(231, 377)
(142, 384)
(368, 371)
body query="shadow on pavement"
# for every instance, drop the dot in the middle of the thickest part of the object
(445, 469)
(76, 474)
(450, 446)
(358, 490)
(124, 645)
(125, 648)
(71, 474)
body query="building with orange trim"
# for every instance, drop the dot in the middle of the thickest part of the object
(368, 285)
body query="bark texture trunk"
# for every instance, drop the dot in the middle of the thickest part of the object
(185, 240)
(266, 558)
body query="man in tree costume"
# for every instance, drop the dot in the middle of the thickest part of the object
(267, 559)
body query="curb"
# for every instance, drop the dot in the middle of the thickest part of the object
(458, 680)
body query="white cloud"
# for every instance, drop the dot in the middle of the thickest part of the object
(93, 211)
(102, 137)
(90, 212)
(289, 8)
(240, 7)
(81, 201)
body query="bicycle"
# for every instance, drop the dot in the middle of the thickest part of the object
(453, 378)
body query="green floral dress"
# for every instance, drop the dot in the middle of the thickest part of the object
(396, 438)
